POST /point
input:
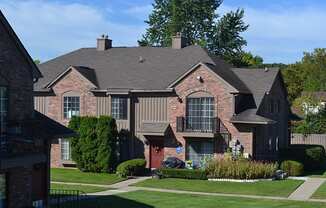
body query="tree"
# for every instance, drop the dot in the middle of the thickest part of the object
(226, 40)
(106, 131)
(250, 60)
(37, 61)
(94, 148)
(309, 74)
(198, 21)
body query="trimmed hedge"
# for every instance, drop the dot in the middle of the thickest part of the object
(311, 156)
(183, 173)
(135, 167)
(240, 169)
(292, 168)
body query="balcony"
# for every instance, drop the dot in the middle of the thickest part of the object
(200, 127)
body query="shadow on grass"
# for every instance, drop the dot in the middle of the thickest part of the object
(321, 172)
(112, 201)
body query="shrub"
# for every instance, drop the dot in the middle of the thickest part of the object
(293, 168)
(311, 156)
(94, 149)
(132, 168)
(240, 169)
(107, 133)
(183, 173)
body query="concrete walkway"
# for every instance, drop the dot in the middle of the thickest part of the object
(307, 189)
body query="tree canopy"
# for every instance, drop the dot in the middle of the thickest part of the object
(309, 74)
(200, 24)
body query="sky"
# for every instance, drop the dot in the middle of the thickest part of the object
(280, 30)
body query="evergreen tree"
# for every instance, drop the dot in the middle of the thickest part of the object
(106, 130)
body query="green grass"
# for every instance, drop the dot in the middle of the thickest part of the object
(76, 176)
(263, 188)
(146, 199)
(86, 189)
(320, 193)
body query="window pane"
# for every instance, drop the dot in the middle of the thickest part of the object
(199, 113)
(119, 108)
(65, 149)
(197, 151)
(71, 107)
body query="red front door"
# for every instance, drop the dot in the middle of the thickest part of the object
(156, 153)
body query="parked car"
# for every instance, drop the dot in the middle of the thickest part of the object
(173, 162)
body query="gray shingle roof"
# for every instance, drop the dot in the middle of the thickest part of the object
(121, 67)
(154, 128)
(154, 68)
(259, 81)
(250, 116)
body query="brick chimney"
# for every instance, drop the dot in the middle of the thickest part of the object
(104, 43)
(179, 41)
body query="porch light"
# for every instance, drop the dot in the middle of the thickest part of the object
(200, 79)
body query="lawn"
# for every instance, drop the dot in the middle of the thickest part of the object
(86, 189)
(146, 199)
(263, 188)
(76, 176)
(320, 193)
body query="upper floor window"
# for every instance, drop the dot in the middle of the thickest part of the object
(200, 113)
(3, 109)
(71, 106)
(119, 108)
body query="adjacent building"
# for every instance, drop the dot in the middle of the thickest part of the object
(25, 134)
(177, 101)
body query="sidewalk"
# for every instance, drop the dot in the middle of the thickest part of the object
(307, 189)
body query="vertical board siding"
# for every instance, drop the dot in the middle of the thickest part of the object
(151, 109)
(319, 139)
(103, 106)
(40, 104)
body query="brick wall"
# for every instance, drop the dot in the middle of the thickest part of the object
(217, 88)
(71, 83)
(16, 75)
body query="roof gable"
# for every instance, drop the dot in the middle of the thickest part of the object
(183, 76)
(34, 69)
(86, 73)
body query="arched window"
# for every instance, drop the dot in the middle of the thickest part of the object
(200, 111)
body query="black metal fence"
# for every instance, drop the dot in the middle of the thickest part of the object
(66, 198)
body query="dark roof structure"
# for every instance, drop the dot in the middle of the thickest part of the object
(50, 129)
(35, 71)
(138, 69)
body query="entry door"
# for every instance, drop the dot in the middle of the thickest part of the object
(156, 153)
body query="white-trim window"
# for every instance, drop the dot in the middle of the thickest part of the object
(199, 113)
(71, 106)
(65, 150)
(119, 108)
(3, 109)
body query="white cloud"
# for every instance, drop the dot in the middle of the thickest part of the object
(282, 34)
(48, 29)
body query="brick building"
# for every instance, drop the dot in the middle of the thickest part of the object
(180, 101)
(25, 134)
